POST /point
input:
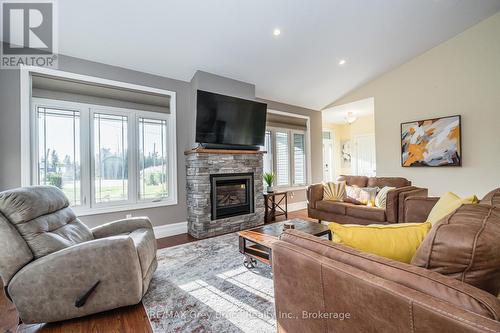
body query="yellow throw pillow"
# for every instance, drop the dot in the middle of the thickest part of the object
(447, 204)
(394, 241)
(334, 191)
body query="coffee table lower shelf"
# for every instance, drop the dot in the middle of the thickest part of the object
(253, 252)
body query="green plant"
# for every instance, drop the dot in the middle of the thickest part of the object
(55, 179)
(268, 178)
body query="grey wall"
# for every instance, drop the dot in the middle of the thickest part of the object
(219, 85)
(10, 122)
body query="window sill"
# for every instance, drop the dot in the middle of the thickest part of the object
(290, 188)
(123, 208)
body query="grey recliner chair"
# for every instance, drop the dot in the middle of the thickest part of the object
(55, 268)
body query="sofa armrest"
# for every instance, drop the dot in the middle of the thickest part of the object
(124, 226)
(392, 203)
(46, 289)
(417, 209)
(417, 192)
(314, 194)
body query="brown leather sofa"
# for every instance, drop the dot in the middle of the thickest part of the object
(343, 212)
(321, 286)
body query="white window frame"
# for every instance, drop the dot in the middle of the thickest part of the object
(131, 148)
(291, 156)
(29, 146)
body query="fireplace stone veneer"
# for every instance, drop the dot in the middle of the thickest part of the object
(203, 163)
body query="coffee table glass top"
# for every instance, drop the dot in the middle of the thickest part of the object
(256, 243)
(276, 229)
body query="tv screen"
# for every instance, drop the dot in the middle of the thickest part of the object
(229, 122)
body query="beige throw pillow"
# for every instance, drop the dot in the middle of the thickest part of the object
(360, 195)
(381, 198)
(334, 191)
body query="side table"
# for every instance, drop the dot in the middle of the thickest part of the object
(276, 204)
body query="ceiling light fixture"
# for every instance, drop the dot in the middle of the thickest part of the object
(276, 32)
(350, 118)
(342, 62)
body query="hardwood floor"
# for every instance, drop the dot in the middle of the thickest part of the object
(131, 319)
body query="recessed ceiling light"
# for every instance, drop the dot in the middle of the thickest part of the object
(276, 32)
(342, 62)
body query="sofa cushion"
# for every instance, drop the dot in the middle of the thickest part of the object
(446, 205)
(24, 204)
(465, 245)
(360, 181)
(492, 198)
(364, 212)
(43, 219)
(360, 195)
(428, 282)
(333, 207)
(334, 191)
(387, 181)
(381, 198)
(398, 241)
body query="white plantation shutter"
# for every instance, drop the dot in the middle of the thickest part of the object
(282, 159)
(299, 159)
(268, 157)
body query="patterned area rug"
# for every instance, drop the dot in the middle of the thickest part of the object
(204, 287)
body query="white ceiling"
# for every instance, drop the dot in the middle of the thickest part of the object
(234, 38)
(338, 114)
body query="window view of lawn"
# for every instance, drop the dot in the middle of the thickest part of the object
(59, 135)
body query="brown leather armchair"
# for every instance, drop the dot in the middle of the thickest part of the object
(343, 212)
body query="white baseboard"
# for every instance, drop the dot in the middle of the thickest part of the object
(181, 227)
(170, 229)
(292, 207)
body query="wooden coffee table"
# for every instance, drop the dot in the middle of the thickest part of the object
(256, 243)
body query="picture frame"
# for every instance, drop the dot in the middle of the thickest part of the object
(434, 142)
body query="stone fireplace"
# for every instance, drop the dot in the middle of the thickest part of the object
(224, 191)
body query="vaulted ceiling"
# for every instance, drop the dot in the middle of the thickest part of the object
(234, 38)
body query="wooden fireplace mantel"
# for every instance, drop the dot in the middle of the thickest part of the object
(222, 151)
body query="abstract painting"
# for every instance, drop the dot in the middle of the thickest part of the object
(431, 142)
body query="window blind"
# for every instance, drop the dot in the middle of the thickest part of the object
(299, 159)
(281, 121)
(92, 93)
(268, 156)
(282, 159)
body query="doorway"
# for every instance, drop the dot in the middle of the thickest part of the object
(349, 139)
(364, 163)
(328, 153)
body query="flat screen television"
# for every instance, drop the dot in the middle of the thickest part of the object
(226, 122)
